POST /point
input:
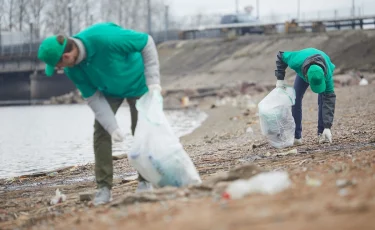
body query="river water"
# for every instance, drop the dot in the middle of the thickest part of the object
(42, 138)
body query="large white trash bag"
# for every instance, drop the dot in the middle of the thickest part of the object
(276, 119)
(157, 153)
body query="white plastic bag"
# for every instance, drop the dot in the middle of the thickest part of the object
(157, 153)
(276, 119)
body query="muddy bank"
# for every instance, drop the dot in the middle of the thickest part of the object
(221, 144)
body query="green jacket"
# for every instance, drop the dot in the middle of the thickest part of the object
(300, 60)
(113, 63)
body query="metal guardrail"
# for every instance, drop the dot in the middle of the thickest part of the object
(337, 22)
(21, 50)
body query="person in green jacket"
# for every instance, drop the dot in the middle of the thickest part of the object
(315, 69)
(107, 63)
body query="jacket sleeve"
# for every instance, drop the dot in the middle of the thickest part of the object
(328, 109)
(103, 112)
(151, 62)
(280, 66)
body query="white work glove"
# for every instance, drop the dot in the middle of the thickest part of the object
(153, 87)
(280, 84)
(326, 136)
(117, 136)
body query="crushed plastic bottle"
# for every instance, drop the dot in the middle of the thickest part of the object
(268, 183)
(58, 198)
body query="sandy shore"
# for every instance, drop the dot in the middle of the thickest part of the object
(219, 146)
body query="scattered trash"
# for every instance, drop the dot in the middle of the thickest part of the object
(343, 192)
(185, 101)
(292, 151)
(74, 168)
(313, 182)
(275, 115)
(267, 154)
(264, 183)
(234, 118)
(119, 157)
(58, 198)
(53, 174)
(363, 82)
(249, 130)
(129, 179)
(342, 183)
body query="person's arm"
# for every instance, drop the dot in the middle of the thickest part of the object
(328, 109)
(99, 105)
(329, 102)
(151, 62)
(103, 112)
(280, 66)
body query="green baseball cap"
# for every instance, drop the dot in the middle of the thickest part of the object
(50, 51)
(315, 75)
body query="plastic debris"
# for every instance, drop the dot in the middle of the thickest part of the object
(58, 198)
(313, 182)
(275, 116)
(268, 183)
(363, 82)
(343, 192)
(249, 130)
(52, 174)
(341, 183)
(292, 151)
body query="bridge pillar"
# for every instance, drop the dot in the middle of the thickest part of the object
(43, 87)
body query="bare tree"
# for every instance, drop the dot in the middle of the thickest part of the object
(34, 14)
(21, 12)
(10, 6)
(57, 17)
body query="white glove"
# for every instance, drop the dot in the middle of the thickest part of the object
(117, 136)
(280, 84)
(326, 136)
(154, 87)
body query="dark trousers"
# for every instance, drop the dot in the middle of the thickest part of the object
(103, 144)
(300, 87)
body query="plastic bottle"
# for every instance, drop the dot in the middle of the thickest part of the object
(264, 183)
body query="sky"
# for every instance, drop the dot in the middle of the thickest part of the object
(268, 7)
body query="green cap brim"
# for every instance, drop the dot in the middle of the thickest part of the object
(50, 70)
(318, 88)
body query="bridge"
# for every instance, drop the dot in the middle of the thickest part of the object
(22, 78)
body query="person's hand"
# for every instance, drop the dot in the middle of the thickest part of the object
(117, 136)
(280, 84)
(154, 87)
(326, 136)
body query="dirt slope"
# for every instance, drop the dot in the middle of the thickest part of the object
(202, 63)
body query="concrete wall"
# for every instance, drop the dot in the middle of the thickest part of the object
(23, 86)
(15, 86)
(42, 87)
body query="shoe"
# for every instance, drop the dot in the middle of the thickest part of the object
(297, 141)
(102, 196)
(144, 186)
(321, 139)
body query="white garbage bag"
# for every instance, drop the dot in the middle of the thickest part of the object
(276, 119)
(157, 153)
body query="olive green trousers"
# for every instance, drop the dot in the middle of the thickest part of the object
(103, 144)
